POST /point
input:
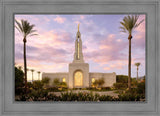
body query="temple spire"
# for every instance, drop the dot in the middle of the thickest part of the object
(78, 27)
(78, 55)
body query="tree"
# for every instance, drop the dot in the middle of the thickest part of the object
(134, 82)
(19, 80)
(38, 85)
(95, 83)
(121, 82)
(26, 29)
(141, 88)
(137, 64)
(32, 70)
(122, 79)
(28, 69)
(45, 80)
(20, 67)
(56, 82)
(38, 75)
(63, 84)
(99, 82)
(127, 25)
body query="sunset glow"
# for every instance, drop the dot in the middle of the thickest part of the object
(105, 48)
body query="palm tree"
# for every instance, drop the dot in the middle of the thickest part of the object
(137, 64)
(26, 29)
(127, 25)
(32, 70)
(38, 75)
(27, 69)
(20, 67)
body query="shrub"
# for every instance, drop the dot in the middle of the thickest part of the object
(99, 82)
(52, 89)
(141, 88)
(129, 97)
(106, 88)
(105, 98)
(45, 80)
(37, 85)
(121, 79)
(134, 82)
(120, 85)
(56, 82)
(30, 85)
(63, 84)
(53, 97)
(19, 81)
(81, 96)
(70, 96)
(20, 91)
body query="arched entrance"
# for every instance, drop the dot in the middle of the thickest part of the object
(78, 79)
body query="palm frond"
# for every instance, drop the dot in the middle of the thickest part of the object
(123, 29)
(33, 34)
(18, 29)
(129, 23)
(33, 31)
(19, 26)
(137, 64)
(25, 28)
(136, 25)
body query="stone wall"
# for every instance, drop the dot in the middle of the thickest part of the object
(52, 76)
(109, 78)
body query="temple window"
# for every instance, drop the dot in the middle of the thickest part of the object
(64, 80)
(93, 80)
(78, 79)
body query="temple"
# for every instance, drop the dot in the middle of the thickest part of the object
(79, 75)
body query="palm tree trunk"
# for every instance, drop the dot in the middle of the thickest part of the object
(129, 63)
(25, 65)
(38, 76)
(32, 77)
(137, 73)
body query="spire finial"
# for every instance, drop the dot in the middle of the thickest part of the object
(78, 27)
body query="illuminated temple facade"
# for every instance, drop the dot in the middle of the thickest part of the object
(79, 75)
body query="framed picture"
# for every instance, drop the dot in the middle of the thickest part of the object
(79, 57)
(71, 63)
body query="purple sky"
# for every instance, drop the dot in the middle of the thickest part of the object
(105, 48)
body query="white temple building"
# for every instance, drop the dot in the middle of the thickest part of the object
(79, 75)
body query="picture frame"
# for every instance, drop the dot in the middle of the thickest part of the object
(10, 7)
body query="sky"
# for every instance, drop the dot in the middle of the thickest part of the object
(105, 47)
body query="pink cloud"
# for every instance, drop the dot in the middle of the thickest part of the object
(138, 40)
(82, 17)
(109, 49)
(59, 19)
(55, 48)
(46, 19)
(77, 22)
(48, 48)
(116, 65)
(52, 39)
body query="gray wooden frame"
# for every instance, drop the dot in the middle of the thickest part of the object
(7, 10)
